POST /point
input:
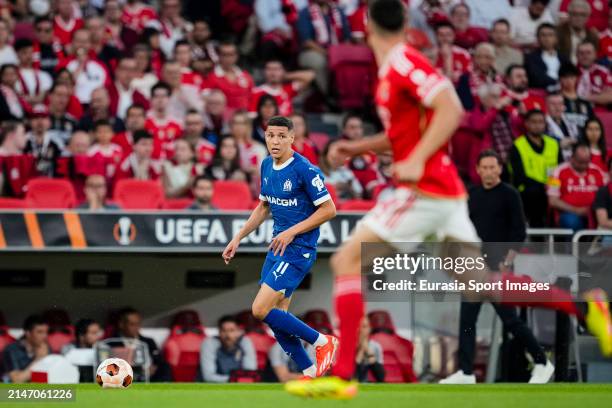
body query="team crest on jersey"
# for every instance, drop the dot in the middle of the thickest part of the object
(287, 186)
(383, 90)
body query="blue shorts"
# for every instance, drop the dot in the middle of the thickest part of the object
(285, 273)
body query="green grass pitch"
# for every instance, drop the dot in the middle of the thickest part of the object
(370, 395)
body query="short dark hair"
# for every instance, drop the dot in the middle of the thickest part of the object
(512, 67)
(42, 19)
(543, 2)
(281, 121)
(200, 178)
(32, 321)
(579, 145)
(180, 43)
(135, 106)
(22, 43)
(101, 123)
(444, 24)
(533, 112)
(141, 134)
(161, 85)
(389, 15)
(545, 26)
(226, 319)
(501, 21)
(81, 327)
(349, 116)
(275, 60)
(568, 70)
(489, 153)
(126, 311)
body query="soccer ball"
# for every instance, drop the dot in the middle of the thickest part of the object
(114, 373)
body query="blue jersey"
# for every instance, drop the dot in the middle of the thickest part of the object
(293, 190)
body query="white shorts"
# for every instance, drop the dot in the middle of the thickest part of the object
(406, 216)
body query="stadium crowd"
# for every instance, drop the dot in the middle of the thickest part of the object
(96, 92)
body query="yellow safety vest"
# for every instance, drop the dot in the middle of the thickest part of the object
(537, 165)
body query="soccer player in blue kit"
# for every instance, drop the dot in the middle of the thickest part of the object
(294, 192)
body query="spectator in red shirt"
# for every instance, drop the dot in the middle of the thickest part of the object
(122, 92)
(593, 136)
(33, 83)
(595, 82)
(523, 99)
(605, 44)
(194, 135)
(236, 84)
(134, 120)
(140, 163)
(65, 23)
(136, 15)
(598, 16)
(182, 55)
(104, 149)
(282, 85)
(267, 108)
(453, 60)
(164, 128)
(574, 31)
(16, 167)
(363, 166)
(301, 142)
(65, 77)
(572, 188)
(466, 36)
(483, 73)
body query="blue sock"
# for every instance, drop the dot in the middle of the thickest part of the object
(279, 320)
(294, 349)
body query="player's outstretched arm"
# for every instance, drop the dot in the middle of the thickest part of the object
(446, 118)
(343, 149)
(258, 216)
(324, 212)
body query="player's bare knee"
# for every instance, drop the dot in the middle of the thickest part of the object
(259, 311)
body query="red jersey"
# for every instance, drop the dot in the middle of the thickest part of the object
(462, 62)
(283, 96)
(600, 10)
(205, 151)
(164, 134)
(593, 80)
(189, 77)
(605, 44)
(574, 188)
(407, 85)
(238, 92)
(62, 32)
(125, 141)
(129, 168)
(110, 155)
(137, 17)
(17, 171)
(308, 150)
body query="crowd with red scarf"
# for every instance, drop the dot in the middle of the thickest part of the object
(176, 91)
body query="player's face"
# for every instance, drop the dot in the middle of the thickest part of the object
(279, 140)
(489, 171)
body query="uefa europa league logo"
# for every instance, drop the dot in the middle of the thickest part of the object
(124, 231)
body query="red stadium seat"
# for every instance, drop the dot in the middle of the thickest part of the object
(606, 120)
(320, 140)
(59, 336)
(397, 357)
(232, 195)
(182, 352)
(50, 193)
(177, 204)
(380, 321)
(353, 71)
(262, 343)
(319, 320)
(249, 323)
(332, 192)
(186, 318)
(132, 194)
(5, 337)
(357, 205)
(12, 203)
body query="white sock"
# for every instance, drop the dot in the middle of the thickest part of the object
(321, 340)
(310, 371)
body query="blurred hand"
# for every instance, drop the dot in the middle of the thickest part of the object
(340, 151)
(409, 170)
(230, 250)
(281, 242)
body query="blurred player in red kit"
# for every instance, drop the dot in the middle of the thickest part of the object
(420, 112)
